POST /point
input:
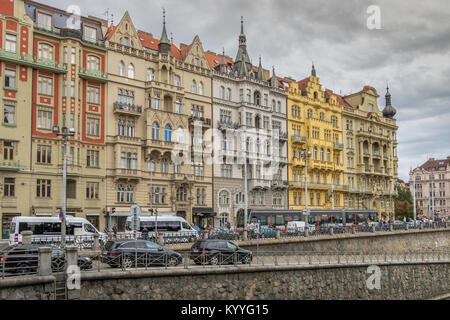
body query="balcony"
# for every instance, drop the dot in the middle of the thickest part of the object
(94, 75)
(366, 152)
(283, 136)
(68, 33)
(337, 145)
(32, 61)
(205, 122)
(164, 86)
(127, 109)
(355, 190)
(10, 165)
(376, 154)
(279, 184)
(258, 184)
(296, 184)
(222, 125)
(298, 139)
(127, 174)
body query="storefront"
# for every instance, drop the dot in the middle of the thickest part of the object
(6, 220)
(203, 217)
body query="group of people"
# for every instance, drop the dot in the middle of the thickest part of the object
(114, 230)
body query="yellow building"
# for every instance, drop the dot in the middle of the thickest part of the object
(314, 123)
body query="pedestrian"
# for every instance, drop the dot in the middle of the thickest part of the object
(144, 233)
(229, 225)
(106, 231)
(114, 228)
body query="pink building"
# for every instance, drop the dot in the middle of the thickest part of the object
(432, 186)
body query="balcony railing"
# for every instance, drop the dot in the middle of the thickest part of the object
(366, 152)
(227, 125)
(376, 153)
(69, 33)
(127, 108)
(338, 145)
(33, 61)
(13, 165)
(93, 75)
(355, 190)
(201, 120)
(296, 138)
(259, 184)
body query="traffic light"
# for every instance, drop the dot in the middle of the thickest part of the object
(113, 210)
(150, 211)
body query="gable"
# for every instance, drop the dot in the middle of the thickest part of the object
(125, 30)
(195, 51)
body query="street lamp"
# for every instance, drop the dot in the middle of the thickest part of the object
(306, 154)
(65, 133)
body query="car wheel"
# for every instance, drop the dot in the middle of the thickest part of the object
(173, 261)
(127, 262)
(246, 259)
(214, 260)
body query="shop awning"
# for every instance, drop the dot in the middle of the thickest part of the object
(206, 212)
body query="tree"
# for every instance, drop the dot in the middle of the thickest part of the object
(404, 204)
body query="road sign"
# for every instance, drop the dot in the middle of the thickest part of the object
(135, 211)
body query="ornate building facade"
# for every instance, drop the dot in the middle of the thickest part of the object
(250, 121)
(431, 184)
(314, 126)
(159, 109)
(53, 72)
(370, 156)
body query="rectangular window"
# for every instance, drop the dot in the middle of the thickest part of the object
(8, 150)
(10, 78)
(44, 119)
(72, 56)
(93, 95)
(92, 158)
(45, 86)
(90, 33)
(9, 114)
(43, 188)
(44, 21)
(72, 88)
(65, 54)
(44, 154)
(241, 95)
(248, 119)
(93, 127)
(10, 42)
(92, 190)
(9, 186)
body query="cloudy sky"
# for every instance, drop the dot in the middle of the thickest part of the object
(411, 50)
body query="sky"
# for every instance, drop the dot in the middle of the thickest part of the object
(409, 49)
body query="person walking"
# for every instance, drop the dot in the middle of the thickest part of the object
(114, 228)
(229, 225)
(144, 233)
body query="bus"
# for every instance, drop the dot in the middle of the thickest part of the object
(48, 230)
(170, 226)
(317, 218)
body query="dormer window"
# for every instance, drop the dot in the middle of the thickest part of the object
(44, 21)
(90, 33)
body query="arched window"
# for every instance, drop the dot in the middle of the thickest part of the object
(155, 131)
(177, 81)
(224, 198)
(258, 145)
(121, 68)
(178, 106)
(93, 63)
(130, 194)
(120, 193)
(310, 113)
(150, 74)
(45, 51)
(321, 116)
(131, 71)
(164, 167)
(222, 92)
(321, 154)
(180, 135)
(121, 128)
(279, 106)
(315, 153)
(228, 97)
(194, 87)
(157, 195)
(273, 105)
(168, 133)
(200, 88)
(328, 155)
(157, 104)
(257, 98)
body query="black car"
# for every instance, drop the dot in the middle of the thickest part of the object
(129, 253)
(219, 252)
(24, 259)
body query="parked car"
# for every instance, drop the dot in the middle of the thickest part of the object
(128, 253)
(24, 259)
(219, 252)
(223, 233)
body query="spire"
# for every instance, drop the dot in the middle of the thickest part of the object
(223, 63)
(313, 70)
(242, 65)
(389, 111)
(260, 75)
(164, 44)
(273, 80)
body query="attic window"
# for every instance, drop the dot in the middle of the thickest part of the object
(142, 39)
(152, 42)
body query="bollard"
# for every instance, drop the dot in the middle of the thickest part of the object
(96, 242)
(245, 235)
(353, 230)
(278, 234)
(434, 224)
(373, 228)
(26, 237)
(161, 239)
(332, 231)
(421, 226)
(44, 261)
(391, 227)
(306, 231)
(406, 226)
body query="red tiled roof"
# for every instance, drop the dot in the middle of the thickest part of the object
(341, 100)
(213, 57)
(184, 51)
(110, 31)
(301, 82)
(435, 164)
(151, 43)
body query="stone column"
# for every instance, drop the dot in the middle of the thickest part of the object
(44, 261)
(161, 239)
(278, 234)
(373, 228)
(71, 256)
(73, 291)
(353, 229)
(406, 226)
(391, 227)
(245, 235)
(26, 237)
(332, 231)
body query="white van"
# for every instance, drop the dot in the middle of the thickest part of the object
(295, 226)
(79, 231)
(170, 226)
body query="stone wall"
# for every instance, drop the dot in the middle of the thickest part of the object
(398, 281)
(27, 288)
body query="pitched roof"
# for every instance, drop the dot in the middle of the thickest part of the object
(304, 81)
(435, 164)
(110, 31)
(150, 42)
